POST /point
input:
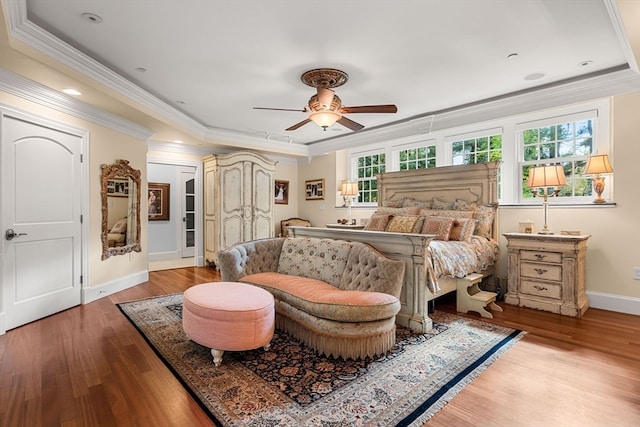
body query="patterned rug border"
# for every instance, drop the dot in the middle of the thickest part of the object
(422, 412)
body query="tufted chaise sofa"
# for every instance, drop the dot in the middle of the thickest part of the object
(338, 297)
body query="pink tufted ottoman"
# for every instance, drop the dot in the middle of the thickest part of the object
(228, 316)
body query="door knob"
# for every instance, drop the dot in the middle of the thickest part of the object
(10, 234)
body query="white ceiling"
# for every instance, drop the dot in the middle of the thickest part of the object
(215, 60)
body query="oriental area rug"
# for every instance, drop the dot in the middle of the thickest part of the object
(291, 385)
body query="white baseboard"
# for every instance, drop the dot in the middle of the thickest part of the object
(96, 292)
(163, 256)
(618, 303)
(3, 325)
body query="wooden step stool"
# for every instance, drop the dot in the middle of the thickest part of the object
(471, 298)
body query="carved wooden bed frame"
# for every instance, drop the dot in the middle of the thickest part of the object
(477, 183)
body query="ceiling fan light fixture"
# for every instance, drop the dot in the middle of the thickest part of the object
(324, 118)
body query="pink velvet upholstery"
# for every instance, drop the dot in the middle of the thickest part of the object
(228, 316)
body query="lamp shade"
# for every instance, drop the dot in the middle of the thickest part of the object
(598, 164)
(546, 176)
(349, 188)
(324, 119)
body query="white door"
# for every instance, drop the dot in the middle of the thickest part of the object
(41, 227)
(188, 180)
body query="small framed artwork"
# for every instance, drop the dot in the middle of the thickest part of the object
(118, 188)
(282, 192)
(158, 201)
(314, 189)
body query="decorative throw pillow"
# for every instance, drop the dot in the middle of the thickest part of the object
(463, 205)
(484, 216)
(402, 223)
(438, 225)
(120, 227)
(378, 222)
(410, 201)
(392, 203)
(450, 213)
(462, 229)
(440, 204)
(398, 211)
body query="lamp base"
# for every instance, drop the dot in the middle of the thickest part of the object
(545, 230)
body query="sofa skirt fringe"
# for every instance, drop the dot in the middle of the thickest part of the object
(350, 347)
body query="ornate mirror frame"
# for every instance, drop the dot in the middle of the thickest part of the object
(121, 171)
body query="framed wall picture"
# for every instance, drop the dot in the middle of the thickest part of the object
(314, 189)
(118, 188)
(282, 192)
(158, 201)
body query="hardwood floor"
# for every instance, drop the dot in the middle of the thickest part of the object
(88, 366)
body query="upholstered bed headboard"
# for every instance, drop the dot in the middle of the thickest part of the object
(476, 183)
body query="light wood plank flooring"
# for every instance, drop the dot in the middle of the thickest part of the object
(88, 366)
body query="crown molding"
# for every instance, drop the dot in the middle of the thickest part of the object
(24, 88)
(623, 39)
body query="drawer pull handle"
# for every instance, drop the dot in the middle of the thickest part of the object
(540, 288)
(540, 270)
(540, 256)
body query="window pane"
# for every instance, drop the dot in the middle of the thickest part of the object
(572, 142)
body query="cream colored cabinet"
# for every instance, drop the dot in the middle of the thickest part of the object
(238, 200)
(547, 272)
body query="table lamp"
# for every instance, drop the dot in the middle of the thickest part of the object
(349, 190)
(596, 165)
(543, 178)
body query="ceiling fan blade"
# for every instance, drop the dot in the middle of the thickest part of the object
(297, 125)
(390, 108)
(350, 124)
(325, 97)
(280, 109)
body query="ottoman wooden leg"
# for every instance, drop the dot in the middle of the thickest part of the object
(217, 356)
(267, 346)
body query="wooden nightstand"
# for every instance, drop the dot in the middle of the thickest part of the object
(547, 272)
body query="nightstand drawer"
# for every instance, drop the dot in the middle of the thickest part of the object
(541, 289)
(541, 271)
(554, 257)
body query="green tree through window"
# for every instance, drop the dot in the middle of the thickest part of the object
(567, 144)
(368, 167)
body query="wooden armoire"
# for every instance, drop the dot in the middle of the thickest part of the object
(238, 200)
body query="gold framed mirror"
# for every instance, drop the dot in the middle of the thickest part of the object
(120, 209)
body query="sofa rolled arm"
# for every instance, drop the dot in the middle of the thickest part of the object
(257, 256)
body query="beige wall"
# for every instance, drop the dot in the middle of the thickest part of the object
(614, 247)
(105, 146)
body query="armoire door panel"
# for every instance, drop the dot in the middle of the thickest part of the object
(243, 199)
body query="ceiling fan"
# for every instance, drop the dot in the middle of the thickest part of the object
(325, 107)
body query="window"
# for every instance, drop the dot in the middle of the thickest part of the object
(477, 150)
(565, 135)
(417, 158)
(368, 167)
(568, 143)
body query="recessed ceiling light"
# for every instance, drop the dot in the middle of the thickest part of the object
(178, 141)
(70, 91)
(92, 17)
(534, 76)
(141, 69)
(585, 63)
(180, 102)
(512, 56)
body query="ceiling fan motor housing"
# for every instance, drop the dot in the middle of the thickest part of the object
(314, 104)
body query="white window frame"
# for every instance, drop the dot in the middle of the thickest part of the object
(600, 115)
(353, 163)
(510, 173)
